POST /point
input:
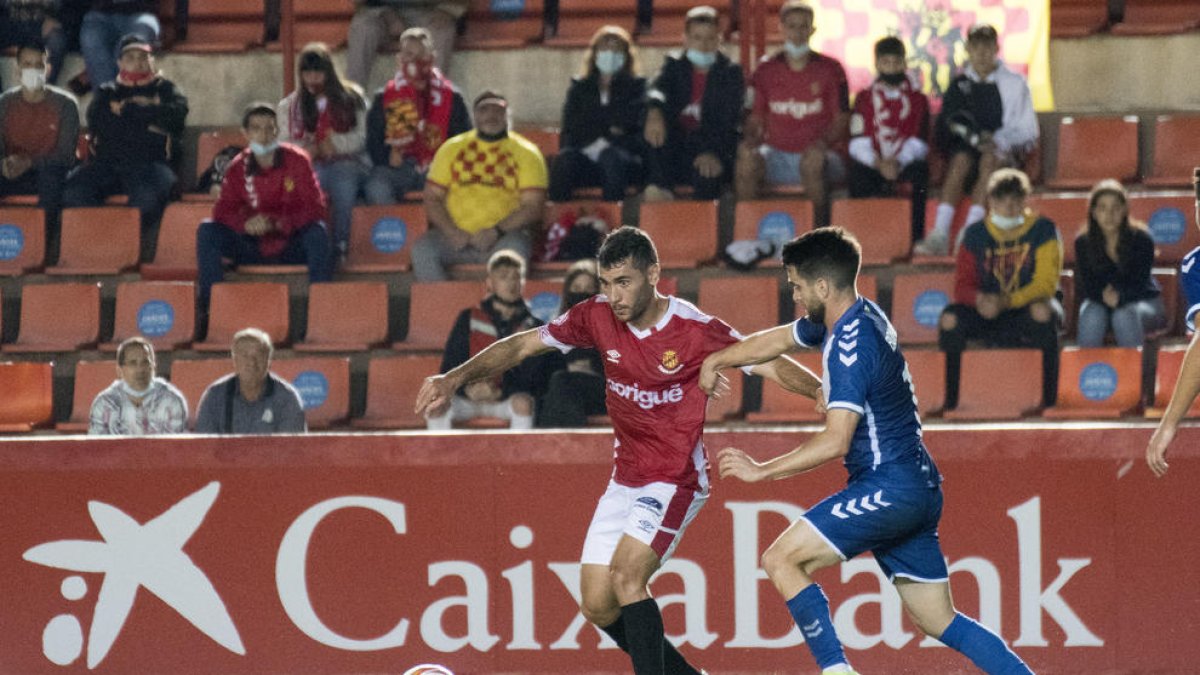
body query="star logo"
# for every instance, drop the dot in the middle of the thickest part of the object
(132, 556)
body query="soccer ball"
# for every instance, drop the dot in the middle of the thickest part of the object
(428, 669)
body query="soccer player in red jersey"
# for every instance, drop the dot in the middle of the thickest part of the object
(652, 346)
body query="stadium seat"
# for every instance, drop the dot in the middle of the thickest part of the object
(1069, 213)
(322, 21)
(1168, 281)
(775, 219)
(175, 255)
(545, 138)
(998, 384)
(928, 370)
(685, 232)
(1100, 382)
(883, 226)
(917, 303)
(780, 406)
(1176, 149)
(578, 20)
(324, 386)
(1094, 148)
(1157, 17)
(91, 378)
(392, 385)
(381, 237)
(163, 312)
(28, 400)
(748, 303)
(544, 296)
(192, 376)
(1166, 375)
(346, 316)
(1070, 303)
(501, 24)
(207, 146)
(567, 213)
(22, 240)
(729, 406)
(98, 240)
(1170, 220)
(235, 306)
(1077, 18)
(433, 309)
(60, 317)
(219, 26)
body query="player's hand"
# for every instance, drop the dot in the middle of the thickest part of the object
(989, 305)
(1111, 296)
(1156, 452)
(732, 462)
(257, 226)
(457, 238)
(707, 165)
(889, 168)
(656, 130)
(484, 240)
(709, 376)
(434, 397)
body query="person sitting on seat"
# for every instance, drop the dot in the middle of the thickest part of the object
(252, 399)
(138, 403)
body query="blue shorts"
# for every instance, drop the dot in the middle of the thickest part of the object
(783, 167)
(898, 525)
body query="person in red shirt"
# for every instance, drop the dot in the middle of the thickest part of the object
(888, 133)
(271, 209)
(653, 346)
(799, 108)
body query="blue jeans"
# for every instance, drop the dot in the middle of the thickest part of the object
(431, 254)
(148, 185)
(1129, 322)
(214, 241)
(389, 184)
(341, 180)
(99, 35)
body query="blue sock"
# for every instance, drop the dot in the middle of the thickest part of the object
(985, 649)
(810, 611)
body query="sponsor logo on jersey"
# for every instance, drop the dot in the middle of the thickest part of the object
(670, 362)
(797, 109)
(613, 356)
(646, 399)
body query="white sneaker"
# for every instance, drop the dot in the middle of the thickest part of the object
(936, 244)
(654, 193)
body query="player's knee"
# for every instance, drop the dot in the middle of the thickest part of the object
(813, 162)
(778, 559)
(1040, 312)
(522, 404)
(599, 613)
(627, 582)
(948, 321)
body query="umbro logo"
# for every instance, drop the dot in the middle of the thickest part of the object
(612, 356)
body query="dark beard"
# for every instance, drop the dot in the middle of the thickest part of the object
(492, 138)
(817, 314)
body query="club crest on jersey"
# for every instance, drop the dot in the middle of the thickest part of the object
(670, 362)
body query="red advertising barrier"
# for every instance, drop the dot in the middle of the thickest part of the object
(377, 552)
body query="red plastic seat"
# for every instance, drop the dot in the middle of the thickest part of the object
(545, 138)
(381, 237)
(684, 232)
(1077, 18)
(502, 24)
(98, 240)
(1069, 213)
(175, 255)
(60, 317)
(998, 384)
(192, 376)
(433, 308)
(91, 378)
(917, 303)
(22, 240)
(324, 386)
(578, 20)
(883, 226)
(928, 370)
(207, 146)
(1176, 150)
(1166, 376)
(1098, 382)
(775, 219)
(569, 212)
(28, 400)
(1158, 17)
(220, 26)
(748, 303)
(1094, 148)
(1170, 218)
(235, 306)
(346, 316)
(392, 386)
(1168, 281)
(163, 312)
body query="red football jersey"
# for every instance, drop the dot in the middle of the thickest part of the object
(654, 399)
(798, 106)
(889, 117)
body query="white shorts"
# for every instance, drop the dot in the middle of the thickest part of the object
(654, 514)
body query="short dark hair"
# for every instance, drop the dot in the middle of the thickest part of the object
(827, 252)
(982, 32)
(1009, 182)
(702, 14)
(627, 243)
(134, 342)
(32, 43)
(257, 108)
(890, 46)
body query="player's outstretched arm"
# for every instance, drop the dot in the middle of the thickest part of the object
(1186, 389)
(437, 390)
(791, 376)
(758, 348)
(831, 443)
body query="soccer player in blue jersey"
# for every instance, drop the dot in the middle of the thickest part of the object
(1188, 384)
(893, 500)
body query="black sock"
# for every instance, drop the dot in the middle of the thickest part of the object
(673, 661)
(616, 631)
(644, 634)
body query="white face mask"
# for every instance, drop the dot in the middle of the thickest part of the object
(796, 51)
(1006, 222)
(33, 79)
(134, 392)
(609, 61)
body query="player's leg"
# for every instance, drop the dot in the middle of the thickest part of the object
(633, 564)
(932, 610)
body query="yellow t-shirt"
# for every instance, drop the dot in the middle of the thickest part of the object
(485, 179)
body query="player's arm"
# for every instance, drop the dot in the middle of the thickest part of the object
(1186, 389)
(759, 348)
(831, 443)
(791, 376)
(437, 390)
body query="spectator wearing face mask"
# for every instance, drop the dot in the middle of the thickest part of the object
(409, 120)
(39, 125)
(137, 403)
(693, 110)
(602, 121)
(577, 391)
(35, 22)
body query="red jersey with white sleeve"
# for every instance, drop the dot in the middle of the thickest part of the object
(797, 107)
(652, 376)
(889, 123)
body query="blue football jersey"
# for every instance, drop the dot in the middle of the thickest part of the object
(1189, 278)
(865, 372)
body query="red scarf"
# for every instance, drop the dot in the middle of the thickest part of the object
(128, 79)
(328, 120)
(416, 121)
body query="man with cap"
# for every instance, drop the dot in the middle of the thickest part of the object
(136, 122)
(484, 190)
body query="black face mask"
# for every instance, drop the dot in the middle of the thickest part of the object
(893, 79)
(572, 299)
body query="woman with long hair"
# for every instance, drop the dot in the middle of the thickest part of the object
(1113, 257)
(326, 116)
(602, 121)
